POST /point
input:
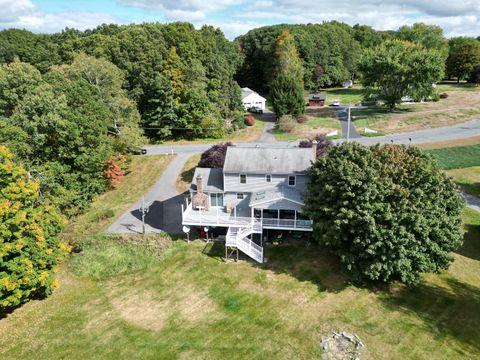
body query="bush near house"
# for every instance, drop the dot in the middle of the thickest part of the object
(286, 123)
(388, 211)
(323, 144)
(250, 120)
(214, 157)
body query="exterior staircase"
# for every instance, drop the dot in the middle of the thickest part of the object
(237, 237)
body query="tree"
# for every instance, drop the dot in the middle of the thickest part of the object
(397, 68)
(29, 249)
(287, 59)
(430, 36)
(287, 96)
(214, 157)
(323, 144)
(463, 56)
(388, 211)
(475, 75)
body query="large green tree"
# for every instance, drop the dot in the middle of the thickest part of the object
(29, 249)
(463, 56)
(287, 87)
(399, 68)
(429, 36)
(388, 211)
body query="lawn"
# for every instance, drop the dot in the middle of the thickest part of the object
(457, 157)
(468, 179)
(346, 96)
(248, 134)
(186, 174)
(125, 297)
(462, 104)
(320, 121)
(184, 302)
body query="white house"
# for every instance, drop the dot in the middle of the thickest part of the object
(250, 98)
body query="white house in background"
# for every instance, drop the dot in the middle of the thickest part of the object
(250, 99)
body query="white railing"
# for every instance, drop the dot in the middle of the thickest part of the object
(237, 237)
(287, 223)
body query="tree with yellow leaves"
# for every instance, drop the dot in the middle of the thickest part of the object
(29, 249)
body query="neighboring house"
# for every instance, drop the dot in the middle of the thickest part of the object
(316, 99)
(250, 99)
(258, 188)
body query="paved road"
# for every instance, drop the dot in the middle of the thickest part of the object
(164, 205)
(473, 202)
(460, 131)
(342, 114)
(267, 134)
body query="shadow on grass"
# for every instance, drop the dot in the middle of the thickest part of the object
(471, 242)
(311, 263)
(451, 311)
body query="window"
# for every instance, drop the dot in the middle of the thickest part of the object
(291, 180)
(240, 196)
(216, 199)
(268, 178)
(243, 178)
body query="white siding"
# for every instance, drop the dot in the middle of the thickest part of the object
(258, 182)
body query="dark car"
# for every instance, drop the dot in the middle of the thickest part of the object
(136, 150)
(255, 110)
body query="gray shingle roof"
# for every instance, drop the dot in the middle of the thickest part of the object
(246, 91)
(267, 160)
(317, 97)
(212, 179)
(277, 193)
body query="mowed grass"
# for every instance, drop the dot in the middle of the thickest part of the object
(186, 174)
(352, 95)
(457, 157)
(189, 304)
(143, 172)
(468, 179)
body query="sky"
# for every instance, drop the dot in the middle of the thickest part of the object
(236, 17)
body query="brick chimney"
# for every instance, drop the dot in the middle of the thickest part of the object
(199, 184)
(314, 149)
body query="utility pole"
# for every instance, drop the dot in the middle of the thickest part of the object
(144, 210)
(348, 123)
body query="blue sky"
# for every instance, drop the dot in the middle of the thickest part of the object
(235, 17)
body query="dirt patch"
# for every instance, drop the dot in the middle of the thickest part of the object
(475, 140)
(151, 311)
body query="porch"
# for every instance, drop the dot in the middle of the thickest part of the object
(244, 216)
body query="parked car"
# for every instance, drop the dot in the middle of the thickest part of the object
(137, 150)
(336, 103)
(256, 110)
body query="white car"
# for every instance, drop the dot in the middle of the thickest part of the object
(336, 103)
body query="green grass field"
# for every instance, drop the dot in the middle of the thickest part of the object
(124, 297)
(346, 96)
(457, 157)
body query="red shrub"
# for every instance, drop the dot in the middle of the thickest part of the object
(301, 118)
(250, 120)
(114, 171)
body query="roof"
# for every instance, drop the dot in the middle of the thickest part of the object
(267, 160)
(212, 179)
(247, 92)
(317, 97)
(274, 194)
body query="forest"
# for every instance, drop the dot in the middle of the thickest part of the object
(71, 103)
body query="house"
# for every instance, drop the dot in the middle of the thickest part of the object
(250, 99)
(316, 99)
(259, 188)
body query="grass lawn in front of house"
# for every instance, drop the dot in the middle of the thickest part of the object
(185, 177)
(467, 178)
(351, 95)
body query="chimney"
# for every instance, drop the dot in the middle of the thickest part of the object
(199, 184)
(314, 149)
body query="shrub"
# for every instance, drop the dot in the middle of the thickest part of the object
(115, 170)
(388, 211)
(443, 96)
(250, 120)
(214, 157)
(322, 147)
(29, 248)
(287, 123)
(301, 118)
(239, 122)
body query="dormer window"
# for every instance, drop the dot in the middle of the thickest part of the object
(268, 178)
(243, 178)
(291, 180)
